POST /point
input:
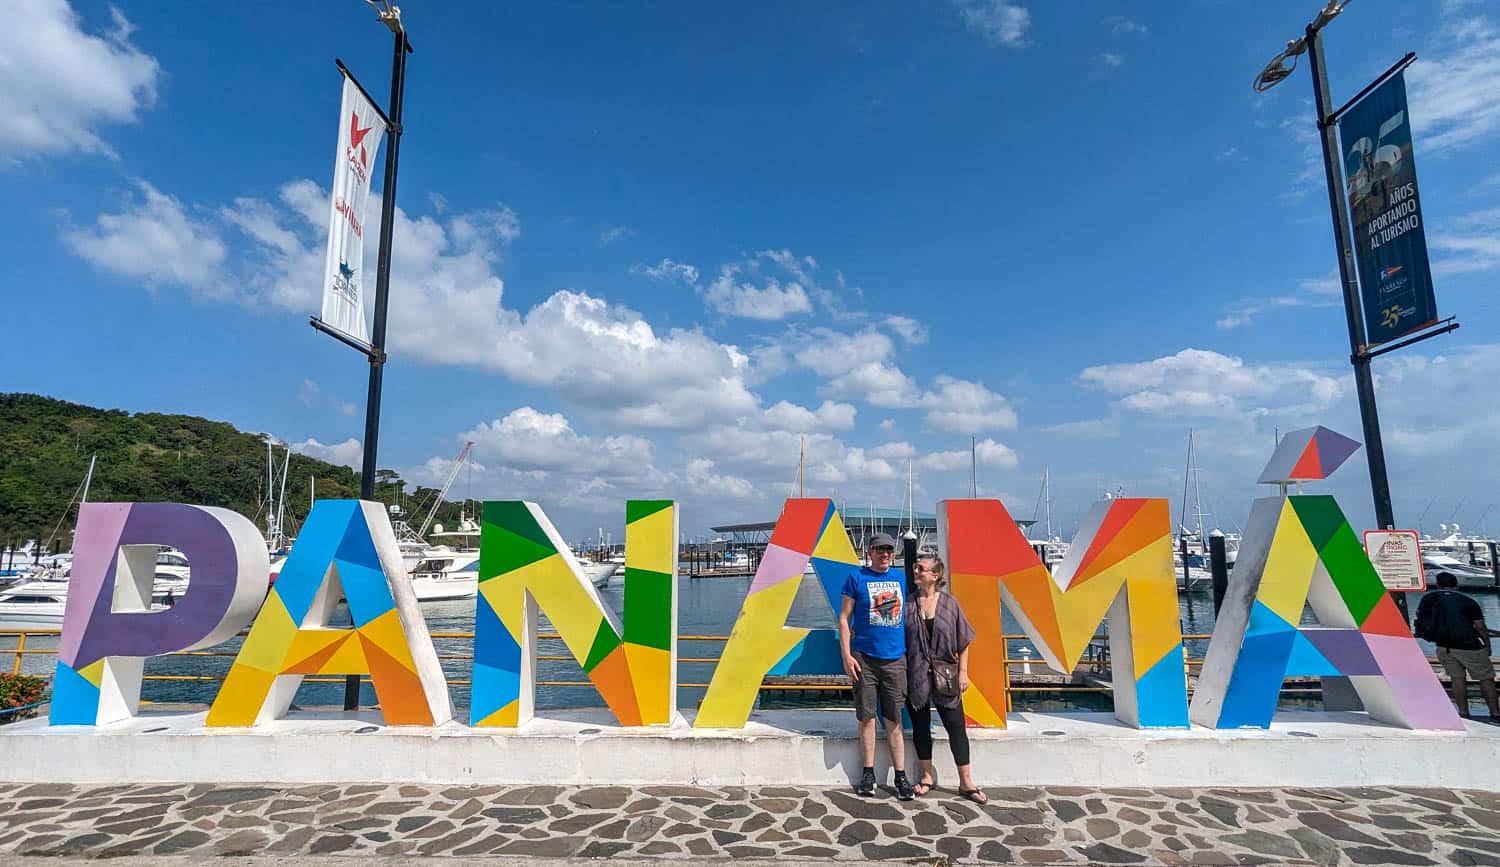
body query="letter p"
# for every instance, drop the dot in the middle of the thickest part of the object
(109, 628)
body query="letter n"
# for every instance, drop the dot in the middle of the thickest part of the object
(109, 628)
(1119, 564)
(1300, 550)
(525, 566)
(808, 530)
(346, 548)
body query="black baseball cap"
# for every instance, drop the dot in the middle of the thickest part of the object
(881, 540)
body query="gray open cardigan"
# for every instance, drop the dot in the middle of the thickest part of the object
(951, 633)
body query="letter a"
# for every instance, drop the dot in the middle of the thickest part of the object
(808, 530)
(346, 548)
(1300, 550)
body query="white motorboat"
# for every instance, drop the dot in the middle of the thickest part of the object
(1435, 563)
(33, 605)
(599, 573)
(445, 574)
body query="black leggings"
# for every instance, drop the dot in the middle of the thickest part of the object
(953, 721)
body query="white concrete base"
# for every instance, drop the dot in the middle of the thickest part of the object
(807, 747)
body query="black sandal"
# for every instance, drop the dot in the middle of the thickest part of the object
(922, 788)
(975, 795)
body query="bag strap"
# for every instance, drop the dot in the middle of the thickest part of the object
(922, 630)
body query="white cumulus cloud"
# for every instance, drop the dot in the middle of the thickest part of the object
(59, 84)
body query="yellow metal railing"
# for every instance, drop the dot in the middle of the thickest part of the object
(22, 650)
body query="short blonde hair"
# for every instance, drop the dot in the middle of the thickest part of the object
(938, 567)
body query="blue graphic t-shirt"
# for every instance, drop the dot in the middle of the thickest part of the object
(876, 623)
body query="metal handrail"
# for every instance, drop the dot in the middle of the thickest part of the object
(21, 650)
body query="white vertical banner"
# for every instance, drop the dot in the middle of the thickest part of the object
(360, 131)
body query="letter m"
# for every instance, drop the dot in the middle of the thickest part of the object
(1119, 566)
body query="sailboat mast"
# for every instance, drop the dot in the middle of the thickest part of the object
(801, 461)
(1047, 498)
(270, 492)
(910, 517)
(88, 479)
(973, 468)
(286, 465)
(1187, 474)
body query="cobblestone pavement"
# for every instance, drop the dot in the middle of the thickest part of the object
(1020, 825)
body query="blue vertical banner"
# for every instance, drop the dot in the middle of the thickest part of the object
(1390, 244)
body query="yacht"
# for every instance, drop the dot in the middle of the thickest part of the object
(33, 605)
(1435, 563)
(445, 574)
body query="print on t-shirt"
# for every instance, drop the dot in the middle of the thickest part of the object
(885, 603)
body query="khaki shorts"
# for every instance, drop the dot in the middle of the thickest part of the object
(881, 682)
(1475, 663)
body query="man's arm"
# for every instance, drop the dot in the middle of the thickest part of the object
(851, 665)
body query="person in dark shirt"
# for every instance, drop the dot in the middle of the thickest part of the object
(1455, 623)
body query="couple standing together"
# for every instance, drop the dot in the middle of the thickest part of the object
(912, 653)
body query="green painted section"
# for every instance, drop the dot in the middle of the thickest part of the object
(1352, 574)
(605, 642)
(648, 608)
(1321, 517)
(501, 551)
(638, 509)
(515, 517)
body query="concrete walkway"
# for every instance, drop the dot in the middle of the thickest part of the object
(387, 824)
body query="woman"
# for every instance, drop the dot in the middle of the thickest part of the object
(937, 632)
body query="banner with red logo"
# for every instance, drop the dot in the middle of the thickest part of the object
(360, 131)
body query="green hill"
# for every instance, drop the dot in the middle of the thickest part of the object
(45, 445)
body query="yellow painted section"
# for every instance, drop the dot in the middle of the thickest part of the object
(651, 676)
(650, 543)
(387, 632)
(834, 544)
(307, 643)
(1155, 621)
(1289, 567)
(559, 591)
(1154, 616)
(349, 658)
(759, 640)
(240, 698)
(93, 672)
(506, 717)
(978, 709)
(270, 638)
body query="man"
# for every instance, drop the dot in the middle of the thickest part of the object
(1455, 624)
(872, 635)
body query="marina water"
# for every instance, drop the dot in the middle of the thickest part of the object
(706, 606)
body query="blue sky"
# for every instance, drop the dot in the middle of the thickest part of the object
(641, 251)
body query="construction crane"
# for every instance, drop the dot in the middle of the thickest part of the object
(438, 501)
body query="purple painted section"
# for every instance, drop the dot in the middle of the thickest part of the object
(1399, 656)
(95, 544)
(777, 565)
(1425, 703)
(1344, 648)
(1333, 449)
(215, 569)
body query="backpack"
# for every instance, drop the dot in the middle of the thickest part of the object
(1426, 627)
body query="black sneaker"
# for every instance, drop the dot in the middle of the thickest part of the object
(866, 785)
(904, 791)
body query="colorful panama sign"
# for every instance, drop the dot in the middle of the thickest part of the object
(1298, 549)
